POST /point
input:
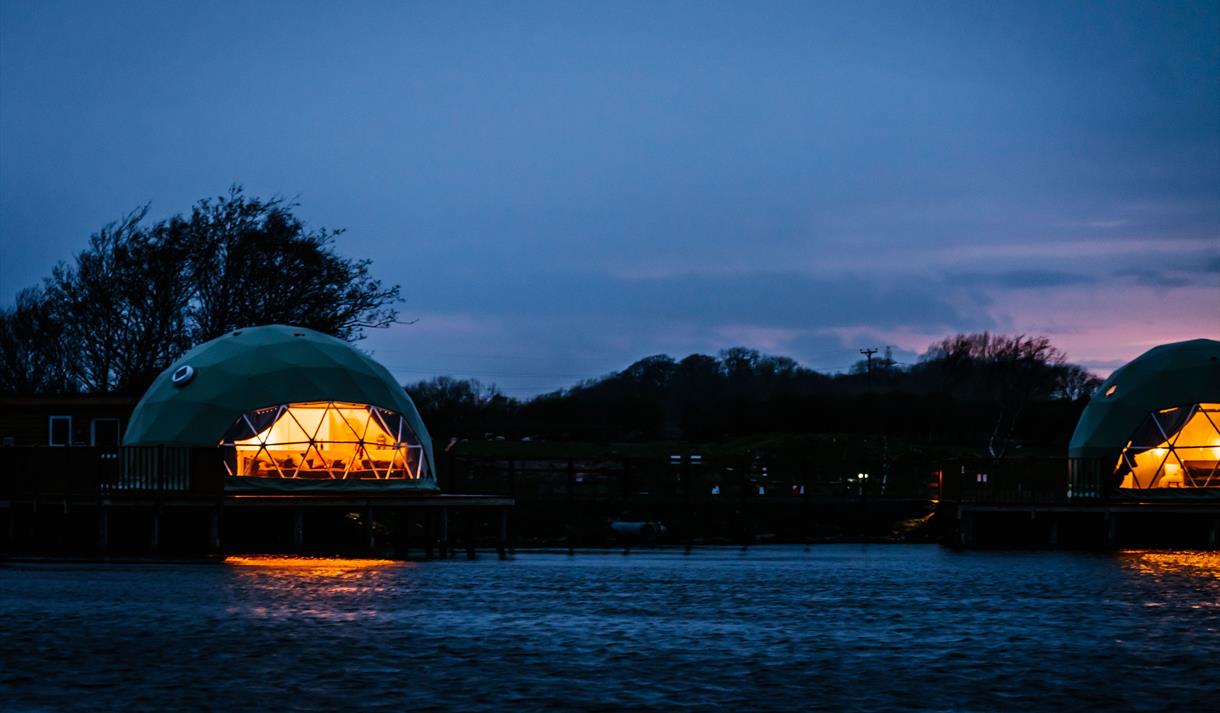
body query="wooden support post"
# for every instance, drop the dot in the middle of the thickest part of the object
(508, 533)
(1211, 534)
(502, 540)
(691, 519)
(1111, 529)
(34, 539)
(429, 534)
(965, 528)
(103, 527)
(402, 527)
(155, 533)
(806, 512)
(470, 533)
(743, 517)
(214, 530)
(370, 535)
(444, 533)
(571, 506)
(1052, 531)
(298, 530)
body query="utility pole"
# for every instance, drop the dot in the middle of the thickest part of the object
(868, 354)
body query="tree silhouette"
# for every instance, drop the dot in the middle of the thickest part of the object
(140, 295)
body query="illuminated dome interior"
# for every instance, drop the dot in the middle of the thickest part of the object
(1174, 448)
(324, 440)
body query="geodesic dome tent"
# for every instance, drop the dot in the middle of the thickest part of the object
(1157, 419)
(290, 408)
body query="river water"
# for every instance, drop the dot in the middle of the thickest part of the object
(829, 627)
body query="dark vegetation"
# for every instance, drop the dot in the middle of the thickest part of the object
(992, 392)
(143, 293)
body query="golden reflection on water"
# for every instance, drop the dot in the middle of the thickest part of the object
(310, 566)
(329, 588)
(1194, 563)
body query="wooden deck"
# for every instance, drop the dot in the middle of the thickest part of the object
(1113, 523)
(78, 499)
(29, 517)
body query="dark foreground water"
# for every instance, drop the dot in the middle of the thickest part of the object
(831, 627)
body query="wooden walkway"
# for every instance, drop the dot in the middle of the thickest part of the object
(433, 509)
(1108, 523)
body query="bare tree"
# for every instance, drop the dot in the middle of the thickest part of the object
(33, 354)
(122, 305)
(140, 295)
(1010, 371)
(1074, 382)
(253, 262)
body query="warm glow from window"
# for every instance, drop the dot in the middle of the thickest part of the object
(323, 440)
(1110, 391)
(1174, 448)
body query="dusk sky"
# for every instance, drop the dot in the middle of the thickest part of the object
(563, 188)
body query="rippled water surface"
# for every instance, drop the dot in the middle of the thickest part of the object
(829, 627)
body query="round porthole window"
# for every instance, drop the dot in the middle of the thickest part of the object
(182, 375)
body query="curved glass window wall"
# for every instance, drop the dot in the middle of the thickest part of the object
(1174, 448)
(323, 440)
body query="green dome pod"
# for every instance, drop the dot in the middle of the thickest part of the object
(1158, 418)
(292, 408)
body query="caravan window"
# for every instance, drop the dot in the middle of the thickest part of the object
(59, 431)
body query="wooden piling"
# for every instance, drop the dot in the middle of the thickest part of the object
(103, 527)
(429, 534)
(470, 535)
(154, 538)
(743, 515)
(444, 538)
(571, 506)
(214, 530)
(502, 540)
(298, 530)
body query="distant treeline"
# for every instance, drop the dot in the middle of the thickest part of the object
(992, 390)
(142, 293)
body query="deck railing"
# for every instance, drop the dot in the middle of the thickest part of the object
(149, 470)
(1025, 480)
(46, 471)
(1015, 480)
(685, 477)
